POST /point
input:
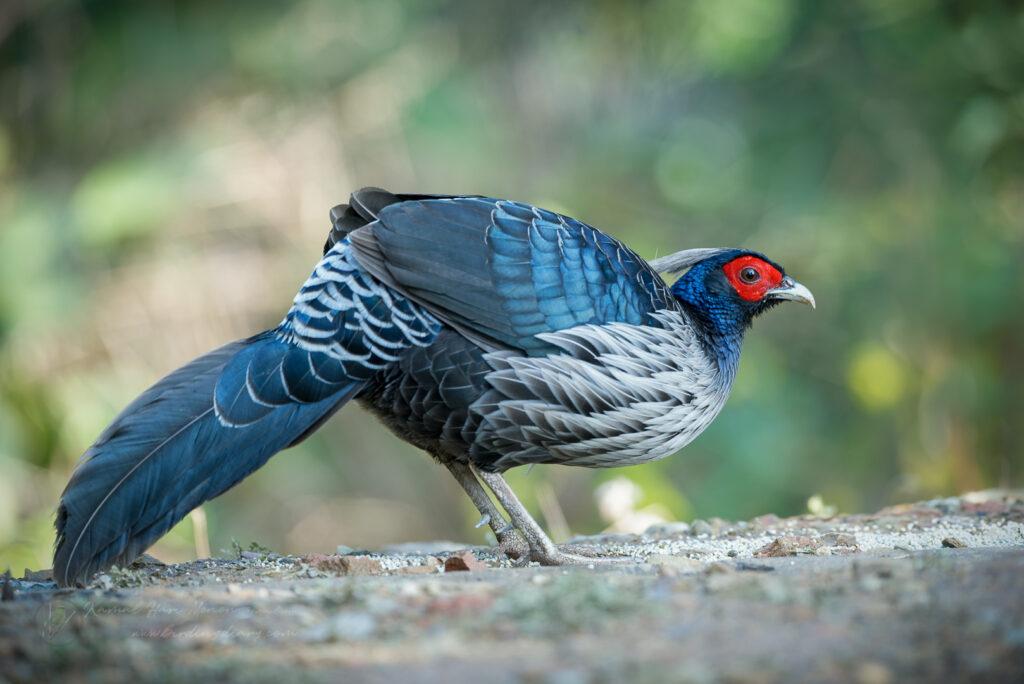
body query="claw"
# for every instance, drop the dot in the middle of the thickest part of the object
(507, 528)
(484, 520)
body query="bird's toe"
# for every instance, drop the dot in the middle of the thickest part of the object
(513, 546)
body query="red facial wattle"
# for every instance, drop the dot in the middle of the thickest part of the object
(748, 288)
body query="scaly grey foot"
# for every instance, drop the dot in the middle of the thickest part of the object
(541, 549)
(509, 541)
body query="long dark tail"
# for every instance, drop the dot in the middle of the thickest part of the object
(172, 449)
(207, 425)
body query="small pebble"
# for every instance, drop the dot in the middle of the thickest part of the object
(700, 527)
(839, 539)
(463, 560)
(953, 543)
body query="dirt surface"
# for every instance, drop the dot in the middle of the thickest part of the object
(931, 591)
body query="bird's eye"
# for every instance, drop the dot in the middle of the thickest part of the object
(749, 275)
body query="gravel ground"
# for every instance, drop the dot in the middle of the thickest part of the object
(922, 592)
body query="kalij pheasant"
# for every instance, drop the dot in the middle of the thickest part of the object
(489, 333)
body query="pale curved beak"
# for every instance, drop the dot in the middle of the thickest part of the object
(790, 289)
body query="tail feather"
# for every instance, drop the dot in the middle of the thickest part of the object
(207, 425)
(170, 451)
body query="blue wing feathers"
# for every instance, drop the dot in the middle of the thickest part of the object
(502, 272)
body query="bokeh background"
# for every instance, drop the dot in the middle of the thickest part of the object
(166, 169)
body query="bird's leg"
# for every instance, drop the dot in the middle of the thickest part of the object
(509, 543)
(542, 549)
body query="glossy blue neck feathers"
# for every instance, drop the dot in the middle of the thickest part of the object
(720, 315)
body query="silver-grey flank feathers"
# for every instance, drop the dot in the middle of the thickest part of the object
(620, 395)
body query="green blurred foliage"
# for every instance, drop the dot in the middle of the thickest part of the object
(166, 170)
